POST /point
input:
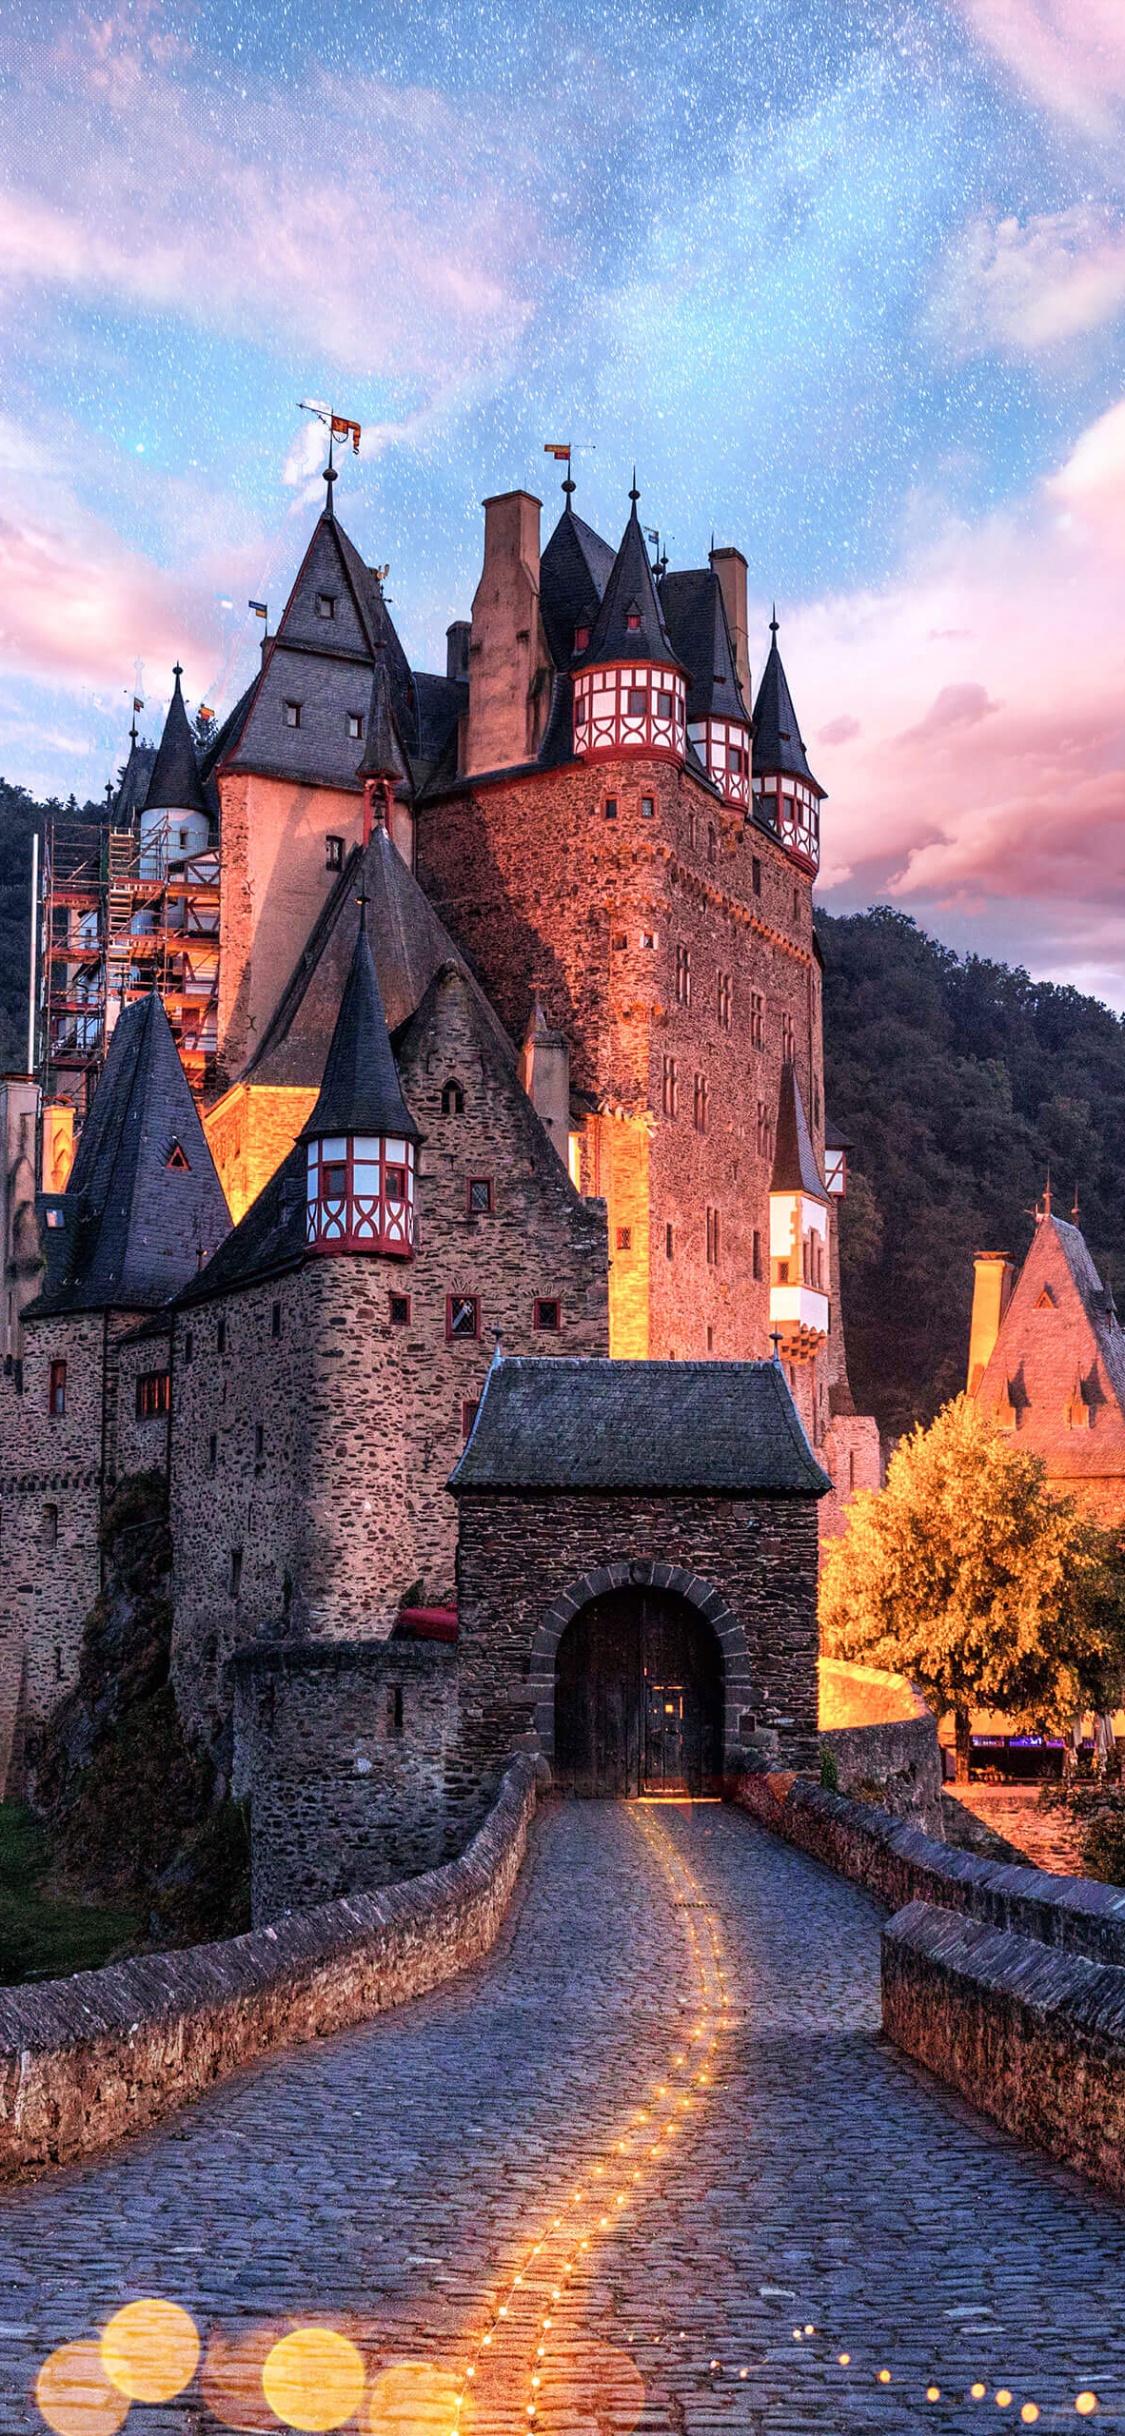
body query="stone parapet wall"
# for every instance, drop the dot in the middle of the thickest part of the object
(898, 1864)
(85, 2061)
(901, 1757)
(1033, 2036)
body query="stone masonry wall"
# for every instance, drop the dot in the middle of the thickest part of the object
(341, 1749)
(85, 2061)
(339, 1509)
(542, 890)
(50, 1508)
(141, 1440)
(518, 1554)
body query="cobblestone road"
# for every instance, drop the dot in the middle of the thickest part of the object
(660, 1968)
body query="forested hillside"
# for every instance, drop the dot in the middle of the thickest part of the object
(962, 1083)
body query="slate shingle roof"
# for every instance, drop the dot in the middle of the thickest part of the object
(573, 573)
(134, 1229)
(631, 590)
(730, 1428)
(361, 1092)
(777, 737)
(130, 798)
(175, 783)
(383, 756)
(794, 1167)
(692, 602)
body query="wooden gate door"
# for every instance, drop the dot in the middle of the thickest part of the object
(638, 1698)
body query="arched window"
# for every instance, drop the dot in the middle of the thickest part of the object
(452, 1098)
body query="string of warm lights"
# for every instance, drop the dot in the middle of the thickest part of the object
(315, 2377)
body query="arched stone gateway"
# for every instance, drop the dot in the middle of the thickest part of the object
(659, 1590)
(638, 1697)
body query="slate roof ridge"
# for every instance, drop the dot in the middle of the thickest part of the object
(631, 589)
(778, 745)
(175, 784)
(360, 1092)
(569, 1422)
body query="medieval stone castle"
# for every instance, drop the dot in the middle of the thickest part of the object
(517, 1066)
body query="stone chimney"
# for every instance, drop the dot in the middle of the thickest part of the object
(457, 649)
(730, 567)
(992, 1290)
(544, 1071)
(504, 644)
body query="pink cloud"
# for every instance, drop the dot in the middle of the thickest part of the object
(839, 731)
(1006, 785)
(1070, 54)
(376, 227)
(1025, 288)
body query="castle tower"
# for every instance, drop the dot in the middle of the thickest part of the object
(786, 795)
(360, 1140)
(799, 1243)
(175, 822)
(630, 688)
(718, 721)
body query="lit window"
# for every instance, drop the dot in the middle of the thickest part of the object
(333, 854)
(154, 1394)
(292, 714)
(462, 1316)
(326, 604)
(756, 1254)
(581, 638)
(355, 725)
(547, 1316)
(56, 1389)
(664, 706)
(632, 621)
(479, 1198)
(178, 1160)
(636, 701)
(452, 1098)
(399, 1305)
(648, 807)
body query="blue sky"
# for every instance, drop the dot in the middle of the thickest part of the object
(846, 281)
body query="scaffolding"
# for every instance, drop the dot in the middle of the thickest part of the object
(123, 912)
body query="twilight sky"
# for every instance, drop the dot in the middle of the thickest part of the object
(845, 277)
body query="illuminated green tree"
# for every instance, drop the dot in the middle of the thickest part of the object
(966, 1574)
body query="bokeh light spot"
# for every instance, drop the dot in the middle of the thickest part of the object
(314, 2378)
(231, 2380)
(1003, 2397)
(1085, 2403)
(1029, 2413)
(413, 2398)
(150, 2350)
(933, 2393)
(74, 2395)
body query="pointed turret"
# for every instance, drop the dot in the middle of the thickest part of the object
(629, 685)
(383, 754)
(787, 798)
(143, 1205)
(175, 822)
(719, 724)
(576, 567)
(798, 1230)
(361, 1137)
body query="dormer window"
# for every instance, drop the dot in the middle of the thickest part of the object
(581, 638)
(355, 726)
(292, 712)
(326, 604)
(177, 1160)
(632, 621)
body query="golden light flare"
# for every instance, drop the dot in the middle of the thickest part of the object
(1085, 2403)
(314, 2379)
(231, 2379)
(150, 2350)
(415, 2398)
(74, 2395)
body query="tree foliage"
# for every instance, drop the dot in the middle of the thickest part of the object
(961, 1082)
(967, 1575)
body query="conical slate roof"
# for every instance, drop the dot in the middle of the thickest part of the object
(573, 573)
(361, 1092)
(175, 784)
(692, 602)
(630, 591)
(777, 737)
(794, 1168)
(144, 1206)
(383, 756)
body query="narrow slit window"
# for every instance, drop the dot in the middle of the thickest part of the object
(292, 712)
(236, 1573)
(399, 1310)
(333, 854)
(56, 1390)
(547, 1315)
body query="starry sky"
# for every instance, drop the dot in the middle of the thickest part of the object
(844, 278)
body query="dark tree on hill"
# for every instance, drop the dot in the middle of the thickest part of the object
(962, 1083)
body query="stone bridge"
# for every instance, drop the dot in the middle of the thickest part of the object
(650, 2163)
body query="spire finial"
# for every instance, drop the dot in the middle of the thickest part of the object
(634, 493)
(775, 1340)
(330, 477)
(773, 620)
(177, 673)
(569, 486)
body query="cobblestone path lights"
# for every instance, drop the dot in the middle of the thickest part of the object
(648, 2166)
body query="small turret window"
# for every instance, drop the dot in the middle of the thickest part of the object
(664, 706)
(633, 621)
(452, 1098)
(326, 604)
(547, 1315)
(355, 726)
(292, 714)
(581, 638)
(637, 701)
(178, 1160)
